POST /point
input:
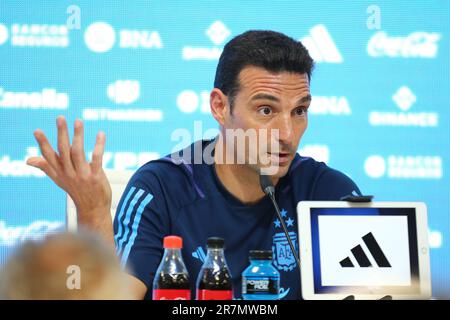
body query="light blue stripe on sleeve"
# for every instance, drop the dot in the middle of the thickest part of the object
(127, 220)
(119, 218)
(137, 219)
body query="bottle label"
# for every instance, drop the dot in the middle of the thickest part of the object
(214, 295)
(260, 285)
(171, 294)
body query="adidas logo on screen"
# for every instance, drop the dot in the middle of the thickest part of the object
(361, 257)
(321, 46)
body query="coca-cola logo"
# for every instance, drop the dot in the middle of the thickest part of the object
(171, 294)
(415, 45)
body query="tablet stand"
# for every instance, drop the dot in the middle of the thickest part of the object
(353, 198)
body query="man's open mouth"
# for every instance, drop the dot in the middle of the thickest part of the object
(279, 157)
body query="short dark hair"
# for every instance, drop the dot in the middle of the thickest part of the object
(270, 50)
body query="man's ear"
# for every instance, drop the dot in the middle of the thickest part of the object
(219, 106)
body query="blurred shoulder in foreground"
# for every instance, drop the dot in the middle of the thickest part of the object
(64, 266)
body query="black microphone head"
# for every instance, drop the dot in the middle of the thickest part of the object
(266, 184)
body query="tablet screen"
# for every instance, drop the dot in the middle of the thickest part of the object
(365, 250)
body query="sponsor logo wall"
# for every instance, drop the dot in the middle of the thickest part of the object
(380, 109)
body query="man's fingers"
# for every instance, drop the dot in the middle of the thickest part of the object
(46, 149)
(41, 163)
(97, 155)
(77, 149)
(64, 145)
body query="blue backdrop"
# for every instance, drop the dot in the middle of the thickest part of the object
(139, 70)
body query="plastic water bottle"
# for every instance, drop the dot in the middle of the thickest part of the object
(260, 281)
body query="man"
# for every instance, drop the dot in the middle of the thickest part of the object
(64, 266)
(262, 86)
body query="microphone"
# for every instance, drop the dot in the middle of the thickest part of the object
(266, 184)
(268, 188)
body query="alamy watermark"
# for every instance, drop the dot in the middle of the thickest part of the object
(74, 19)
(258, 147)
(373, 21)
(73, 281)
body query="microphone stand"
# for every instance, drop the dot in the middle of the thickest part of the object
(269, 190)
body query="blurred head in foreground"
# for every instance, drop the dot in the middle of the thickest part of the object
(64, 266)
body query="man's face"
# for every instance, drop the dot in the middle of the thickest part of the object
(270, 101)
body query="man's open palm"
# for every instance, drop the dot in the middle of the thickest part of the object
(86, 183)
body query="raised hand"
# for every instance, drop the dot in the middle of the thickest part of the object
(86, 183)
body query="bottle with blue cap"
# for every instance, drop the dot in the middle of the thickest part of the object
(260, 281)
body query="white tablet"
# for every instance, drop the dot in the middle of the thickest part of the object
(368, 250)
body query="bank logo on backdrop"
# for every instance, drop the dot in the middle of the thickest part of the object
(100, 37)
(404, 167)
(329, 106)
(3, 34)
(35, 35)
(189, 101)
(435, 239)
(375, 166)
(321, 46)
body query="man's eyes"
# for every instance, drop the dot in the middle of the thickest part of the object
(301, 111)
(265, 110)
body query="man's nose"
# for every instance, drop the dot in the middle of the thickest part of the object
(286, 129)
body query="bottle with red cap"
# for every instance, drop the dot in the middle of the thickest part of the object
(171, 280)
(214, 280)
